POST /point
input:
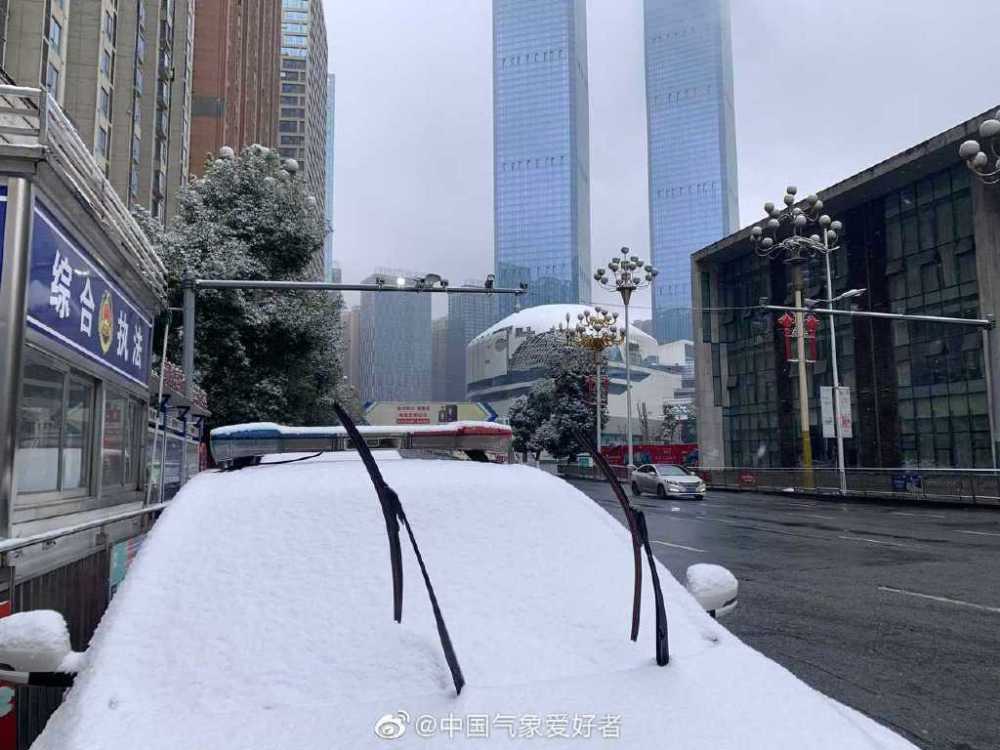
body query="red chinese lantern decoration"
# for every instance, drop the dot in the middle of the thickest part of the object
(787, 324)
(812, 325)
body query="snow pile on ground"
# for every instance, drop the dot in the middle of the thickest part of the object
(258, 614)
(712, 586)
(35, 641)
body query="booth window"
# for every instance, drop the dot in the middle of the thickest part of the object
(120, 456)
(55, 428)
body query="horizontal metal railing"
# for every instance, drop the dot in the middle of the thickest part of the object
(976, 486)
(48, 537)
(575, 471)
(930, 484)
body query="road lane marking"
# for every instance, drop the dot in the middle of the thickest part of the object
(944, 599)
(917, 515)
(678, 546)
(872, 541)
(978, 533)
(816, 515)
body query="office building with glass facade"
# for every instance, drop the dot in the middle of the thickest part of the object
(691, 145)
(922, 236)
(541, 165)
(468, 316)
(396, 343)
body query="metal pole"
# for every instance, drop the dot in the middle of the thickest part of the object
(628, 386)
(598, 403)
(163, 451)
(322, 286)
(978, 322)
(988, 373)
(807, 458)
(16, 245)
(159, 401)
(836, 373)
(188, 286)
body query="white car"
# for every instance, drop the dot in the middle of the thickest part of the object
(259, 614)
(667, 480)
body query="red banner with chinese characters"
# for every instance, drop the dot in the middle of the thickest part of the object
(8, 714)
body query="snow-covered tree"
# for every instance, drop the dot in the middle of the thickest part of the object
(259, 355)
(544, 419)
(669, 421)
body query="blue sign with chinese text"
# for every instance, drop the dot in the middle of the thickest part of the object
(75, 303)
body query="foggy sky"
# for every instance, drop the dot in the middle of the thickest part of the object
(823, 89)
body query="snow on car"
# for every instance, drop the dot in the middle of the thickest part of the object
(258, 614)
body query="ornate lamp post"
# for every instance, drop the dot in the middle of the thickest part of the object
(791, 232)
(594, 331)
(984, 161)
(625, 278)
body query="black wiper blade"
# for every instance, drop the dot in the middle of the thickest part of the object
(640, 539)
(392, 510)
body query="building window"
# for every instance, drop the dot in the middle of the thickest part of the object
(288, 126)
(55, 429)
(105, 102)
(119, 457)
(55, 35)
(52, 79)
(107, 64)
(102, 143)
(109, 26)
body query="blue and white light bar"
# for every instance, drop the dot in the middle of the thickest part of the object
(245, 443)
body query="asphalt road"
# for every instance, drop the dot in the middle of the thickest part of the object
(891, 609)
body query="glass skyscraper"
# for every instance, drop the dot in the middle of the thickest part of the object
(692, 146)
(541, 169)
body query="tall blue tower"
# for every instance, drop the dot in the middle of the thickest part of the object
(541, 161)
(692, 146)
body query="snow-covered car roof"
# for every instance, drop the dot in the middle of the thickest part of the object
(258, 614)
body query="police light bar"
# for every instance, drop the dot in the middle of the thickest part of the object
(243, 444)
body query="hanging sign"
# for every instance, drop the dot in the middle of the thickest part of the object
(75, 303)
(844, 412)
(826, 411)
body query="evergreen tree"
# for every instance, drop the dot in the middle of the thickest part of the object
(259, 355)
(544, 419)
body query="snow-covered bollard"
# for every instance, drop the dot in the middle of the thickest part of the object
(36, 641)
(713, 587)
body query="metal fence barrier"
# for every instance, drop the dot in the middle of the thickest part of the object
(969, 486)
(976, 486)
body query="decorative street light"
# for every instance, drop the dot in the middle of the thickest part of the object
(791, 232)
(625, 278)
(984, 161)
(594, 331)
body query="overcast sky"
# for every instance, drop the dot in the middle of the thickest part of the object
(824, 88)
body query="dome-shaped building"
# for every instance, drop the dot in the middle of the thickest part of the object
(507, 359)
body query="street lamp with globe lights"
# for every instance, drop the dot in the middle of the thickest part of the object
(798, 233)
(627, 274)
(984, 160)
(595, 330)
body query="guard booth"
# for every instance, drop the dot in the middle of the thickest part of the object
(79, 289)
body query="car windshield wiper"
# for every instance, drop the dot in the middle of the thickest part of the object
(636, 521)
(392, 511)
